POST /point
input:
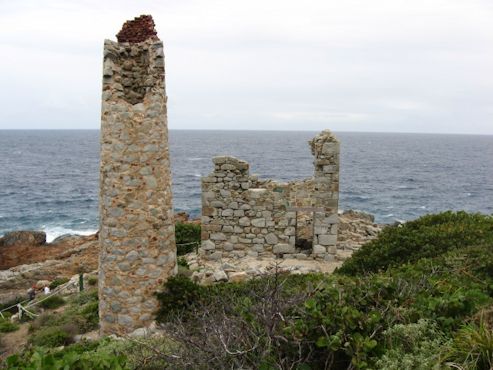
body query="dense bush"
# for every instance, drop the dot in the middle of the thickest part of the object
(6, 326)
(415, 346)
(188, 235)
(92, 281)
(85, 356)
(340, 321)
(179, 296)
(51, 336)
(428, 236)
(472, 347)
(52, 302)
(57, 282)
(417, 310)
(80, 316)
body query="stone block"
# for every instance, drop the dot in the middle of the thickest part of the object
(271, 238)
(244, 221)
(228, 229)
(208, 245)
(258, 222)
(327, 239)
(220, 276)
(238, 277)
(282, 248)
(218, 236)
(215, 256)
(319, 249)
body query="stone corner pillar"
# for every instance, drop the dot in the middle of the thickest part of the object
(325, 148)
(137, 240)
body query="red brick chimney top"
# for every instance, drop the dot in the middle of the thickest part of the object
(137, 30)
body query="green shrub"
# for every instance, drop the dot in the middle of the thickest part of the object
(426, 237)
(83, 356)
(178, 296)
(415, 346)
(90, 314)
(182, 262)
(188, 234)
(6, 326)
(92, 281)
(51, 336)
(85, 297)
(6, 315)
(472, 347)
(80, 315)
(58, 281)
(52, 302)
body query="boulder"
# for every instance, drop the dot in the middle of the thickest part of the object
(220, 275)
(23, 238)
(237, 277)
(42, 283)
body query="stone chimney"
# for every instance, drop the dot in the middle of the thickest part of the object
(137, 241)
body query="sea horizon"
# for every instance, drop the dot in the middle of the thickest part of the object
(50, 176)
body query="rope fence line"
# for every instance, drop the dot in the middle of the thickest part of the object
(188, 243)
(35, 302)
(55, 291)
(14, 305)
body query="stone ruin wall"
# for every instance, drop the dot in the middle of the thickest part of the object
(243, 215)
(137, 241)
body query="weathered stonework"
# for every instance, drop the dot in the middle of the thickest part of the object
(242, 215)
(137, 242)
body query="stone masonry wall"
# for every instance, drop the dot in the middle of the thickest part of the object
(242, 215)
(137, 241)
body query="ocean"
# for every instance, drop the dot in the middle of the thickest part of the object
(49, 178)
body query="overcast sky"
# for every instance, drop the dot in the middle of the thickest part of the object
(352, 65)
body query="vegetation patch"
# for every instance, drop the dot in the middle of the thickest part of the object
(81, 356)
(80, 316)
(426, 237)
(57, 282)
(6, 326)
(429, 306)
(52, 302)
(187, 237)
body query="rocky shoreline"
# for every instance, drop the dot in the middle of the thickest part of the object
(26, 259)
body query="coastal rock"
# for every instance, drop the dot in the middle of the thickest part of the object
(23, 238)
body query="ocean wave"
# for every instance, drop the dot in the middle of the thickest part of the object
(53, 232)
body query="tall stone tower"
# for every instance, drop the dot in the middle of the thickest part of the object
(325, 149)
(138, 251)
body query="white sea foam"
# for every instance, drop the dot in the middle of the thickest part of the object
(54, 232)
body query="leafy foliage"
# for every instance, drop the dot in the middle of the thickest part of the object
(188, 235)
(51, 302)
(415, 346)
(58, 281)
(88, 356)
(344, 321)
(180, 295)
(407, 313)
(51, 336)
(81, 315)
(6, 326)
(472, 347)
(426, 237)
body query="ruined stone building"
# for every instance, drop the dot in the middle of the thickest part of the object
(243, 215)
(137, 241)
